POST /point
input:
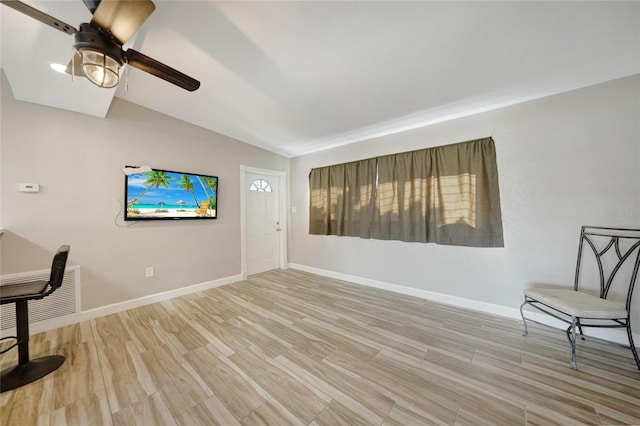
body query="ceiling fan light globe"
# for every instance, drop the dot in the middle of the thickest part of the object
(101, 69)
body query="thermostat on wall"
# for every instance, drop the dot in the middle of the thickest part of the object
(29, 187)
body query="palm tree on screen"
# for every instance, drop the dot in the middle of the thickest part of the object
(187, 185)
(155, 179)
(212, 184)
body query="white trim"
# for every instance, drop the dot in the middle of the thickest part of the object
(282, 213)
(243, 222)
(616, 336)
(38, 327)
(78, 290)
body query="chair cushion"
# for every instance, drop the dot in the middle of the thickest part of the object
(25, 289)
(577, 304)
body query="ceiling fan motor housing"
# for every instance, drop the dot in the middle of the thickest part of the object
(90, 38)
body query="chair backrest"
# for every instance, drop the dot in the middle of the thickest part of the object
(57, 267)
(625, 243)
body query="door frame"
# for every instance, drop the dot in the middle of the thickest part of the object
(282, 212)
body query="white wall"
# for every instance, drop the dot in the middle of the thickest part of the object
(563, 161)
(78, 161)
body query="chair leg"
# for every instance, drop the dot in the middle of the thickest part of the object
(27, 370)
(22, 331)
(580, 329)
(524, 320)
(572, 339)
(631, 344)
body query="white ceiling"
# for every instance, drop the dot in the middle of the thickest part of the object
(297, 77)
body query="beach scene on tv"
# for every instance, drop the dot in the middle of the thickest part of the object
(168, 195)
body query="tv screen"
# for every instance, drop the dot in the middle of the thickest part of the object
(167, 195)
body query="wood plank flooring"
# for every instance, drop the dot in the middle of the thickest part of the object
(288, 347)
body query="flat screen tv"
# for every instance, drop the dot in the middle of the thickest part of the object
(168, 195)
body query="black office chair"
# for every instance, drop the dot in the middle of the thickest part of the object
(28, 370)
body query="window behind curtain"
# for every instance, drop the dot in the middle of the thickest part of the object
(446, 195)
(342, 199)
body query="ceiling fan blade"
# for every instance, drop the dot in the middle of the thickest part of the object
(165, 72)
(74, 67)
(92, 5)
(122, 18)
(40, 16)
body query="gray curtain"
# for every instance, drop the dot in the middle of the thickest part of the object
(445, 195)
(342, 199)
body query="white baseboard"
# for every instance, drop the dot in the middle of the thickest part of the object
(618, 336)
(38, 327)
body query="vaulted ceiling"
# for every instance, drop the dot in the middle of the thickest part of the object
(297, 77)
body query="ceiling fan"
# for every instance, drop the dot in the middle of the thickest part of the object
(98, 44)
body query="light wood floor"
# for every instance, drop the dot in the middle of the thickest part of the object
(287, 347)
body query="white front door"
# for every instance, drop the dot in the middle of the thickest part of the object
(263, 223)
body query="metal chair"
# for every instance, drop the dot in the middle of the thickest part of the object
(617, 255)
(29, 370)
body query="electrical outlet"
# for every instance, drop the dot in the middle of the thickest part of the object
(149, 272)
